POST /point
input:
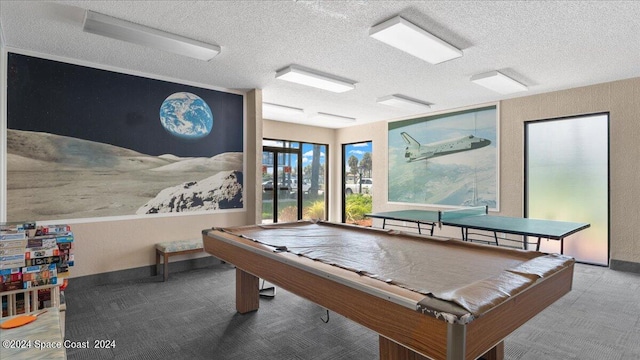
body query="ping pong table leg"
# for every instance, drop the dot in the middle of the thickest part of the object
(495, 236)
(432, 226)
(419, 230)
(384, 222)
(466, 234)
(561, 245)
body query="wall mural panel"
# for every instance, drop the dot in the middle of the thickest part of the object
(445, 160)
(85, 143)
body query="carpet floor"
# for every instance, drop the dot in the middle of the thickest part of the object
(192, 316)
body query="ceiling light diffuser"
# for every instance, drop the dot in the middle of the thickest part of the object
(99, 24)
(281, 112)
(332, 117)
(404, 102)
(410, 38)
(281, 109)
(315, 79)
(498, 82)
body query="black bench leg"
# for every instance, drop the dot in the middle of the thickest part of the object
(155, 269)
(165, 274)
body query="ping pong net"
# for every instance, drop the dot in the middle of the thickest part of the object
(452, 215)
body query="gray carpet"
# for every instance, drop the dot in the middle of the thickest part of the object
(192, 316)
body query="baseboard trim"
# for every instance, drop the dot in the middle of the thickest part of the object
(143, 272)
(626, 266)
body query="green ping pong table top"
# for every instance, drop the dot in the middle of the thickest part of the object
(423, 216)
(550, 229)
(478, 219)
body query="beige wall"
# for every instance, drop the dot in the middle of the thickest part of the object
(280, 130)
(107, 246)
(253, 132)
(621, 99)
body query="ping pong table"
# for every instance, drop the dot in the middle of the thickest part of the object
(477, 218)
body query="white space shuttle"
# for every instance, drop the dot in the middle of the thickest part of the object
(415, 151)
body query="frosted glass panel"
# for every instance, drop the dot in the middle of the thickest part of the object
(567, 179)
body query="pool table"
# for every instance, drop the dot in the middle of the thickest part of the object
(426, 297)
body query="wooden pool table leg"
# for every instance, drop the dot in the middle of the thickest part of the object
(247, 292)
(390, 350)
(497, 353)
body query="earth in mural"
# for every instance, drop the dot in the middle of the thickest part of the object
(186, 116)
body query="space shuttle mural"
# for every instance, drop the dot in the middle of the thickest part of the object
(415, 151)
(454, 163)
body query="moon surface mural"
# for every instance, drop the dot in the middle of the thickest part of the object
(186, 116)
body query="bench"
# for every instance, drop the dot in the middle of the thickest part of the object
(172, 248)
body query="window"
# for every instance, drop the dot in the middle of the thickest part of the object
(357, 183)
(293, 181)
(567, 178)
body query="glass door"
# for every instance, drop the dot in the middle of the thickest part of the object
(280, 200)
(268, 163)
(287, 195)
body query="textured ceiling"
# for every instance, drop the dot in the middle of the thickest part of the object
(546, 45)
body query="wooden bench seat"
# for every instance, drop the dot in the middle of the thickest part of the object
(172, 248)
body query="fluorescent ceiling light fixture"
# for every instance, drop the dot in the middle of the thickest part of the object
(275, 108)
(99, 24)
(498, 82)
(281, 112)
(409, 38)
(403, 102)
(332, 117)
(315, 79)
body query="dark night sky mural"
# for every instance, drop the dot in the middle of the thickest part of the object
(93, 104)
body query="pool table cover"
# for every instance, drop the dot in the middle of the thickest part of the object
(466, 297)
(463, 278)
